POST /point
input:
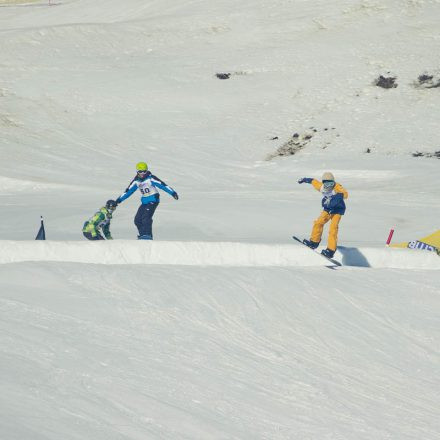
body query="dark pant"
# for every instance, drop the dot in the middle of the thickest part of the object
(144, 219)
(89, 236)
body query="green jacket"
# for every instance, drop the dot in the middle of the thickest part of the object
(100, 222)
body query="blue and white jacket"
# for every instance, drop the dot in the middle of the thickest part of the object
(148, 186)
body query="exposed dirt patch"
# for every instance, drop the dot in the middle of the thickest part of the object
(427, 81)
(223, 75)
(299, 141)
(436, 154)
(292, 146)
(386, 82)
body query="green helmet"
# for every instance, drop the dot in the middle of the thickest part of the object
(141, 166)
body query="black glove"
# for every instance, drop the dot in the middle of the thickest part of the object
(176, 196)
(305, 180)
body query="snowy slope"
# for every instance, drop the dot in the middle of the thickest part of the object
(136, 352)
(223, 327)
(87, 91)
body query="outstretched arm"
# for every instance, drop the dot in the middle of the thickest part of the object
(163, 186)
(315, 183)
(127, 193)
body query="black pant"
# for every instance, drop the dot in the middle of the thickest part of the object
(144, 218)
(89, 236)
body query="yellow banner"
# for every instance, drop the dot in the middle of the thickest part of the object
(430, 242)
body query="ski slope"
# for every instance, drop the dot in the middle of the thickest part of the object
(158, 351)
(222, 327)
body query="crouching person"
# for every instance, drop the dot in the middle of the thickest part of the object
(98, 226)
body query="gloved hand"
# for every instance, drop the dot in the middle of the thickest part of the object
(117, 201)
(176, 196)
(305, 180)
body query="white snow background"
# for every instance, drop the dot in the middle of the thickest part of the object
(223, 327)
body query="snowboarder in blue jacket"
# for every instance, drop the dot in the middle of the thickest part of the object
(148, 185)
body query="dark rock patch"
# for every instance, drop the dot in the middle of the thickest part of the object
(298, 141)
(223, 75)
(386, 82)
(292, 146)
(436, 154)
(425, 78)
(427, 81)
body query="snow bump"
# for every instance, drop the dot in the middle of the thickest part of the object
(208, 254)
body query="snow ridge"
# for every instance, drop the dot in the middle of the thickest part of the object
(195, 253)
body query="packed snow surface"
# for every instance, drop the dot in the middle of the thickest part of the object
(210, 254)
(223, 327)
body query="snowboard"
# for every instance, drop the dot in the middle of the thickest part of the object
(332, 260)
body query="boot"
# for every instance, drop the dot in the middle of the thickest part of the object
(328, 253)
(145, 237)
(311, 244)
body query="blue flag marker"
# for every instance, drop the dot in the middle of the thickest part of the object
(41, 233)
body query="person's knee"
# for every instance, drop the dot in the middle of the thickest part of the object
(319, 223)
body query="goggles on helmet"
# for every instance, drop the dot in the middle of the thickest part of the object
(142, 171)
(328, 184)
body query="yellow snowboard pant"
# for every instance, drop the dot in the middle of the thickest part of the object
(318, 227)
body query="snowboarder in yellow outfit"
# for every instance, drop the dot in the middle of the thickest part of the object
(333, 209)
